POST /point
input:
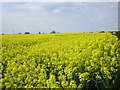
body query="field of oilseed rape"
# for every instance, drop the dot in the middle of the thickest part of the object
(64, 60)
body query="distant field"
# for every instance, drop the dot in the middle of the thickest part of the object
(68, 60)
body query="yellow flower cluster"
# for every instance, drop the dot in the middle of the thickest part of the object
(64, 60)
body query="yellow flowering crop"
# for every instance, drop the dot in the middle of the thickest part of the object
(64, 60)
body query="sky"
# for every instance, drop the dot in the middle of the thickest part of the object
(63, 17)
(119, 16)
(60, 0)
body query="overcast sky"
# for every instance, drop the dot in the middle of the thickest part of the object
(59, 16)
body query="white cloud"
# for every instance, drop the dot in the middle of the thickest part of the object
(35, 8)
(14, 15)
(56, 11)
(39, 24)
(112, 6)
(31, 6)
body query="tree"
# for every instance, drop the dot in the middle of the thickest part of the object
(101, 31)
(53, 32)
(39, 32)
(27, 32)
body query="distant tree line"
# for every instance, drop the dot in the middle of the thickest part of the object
(38, 32)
